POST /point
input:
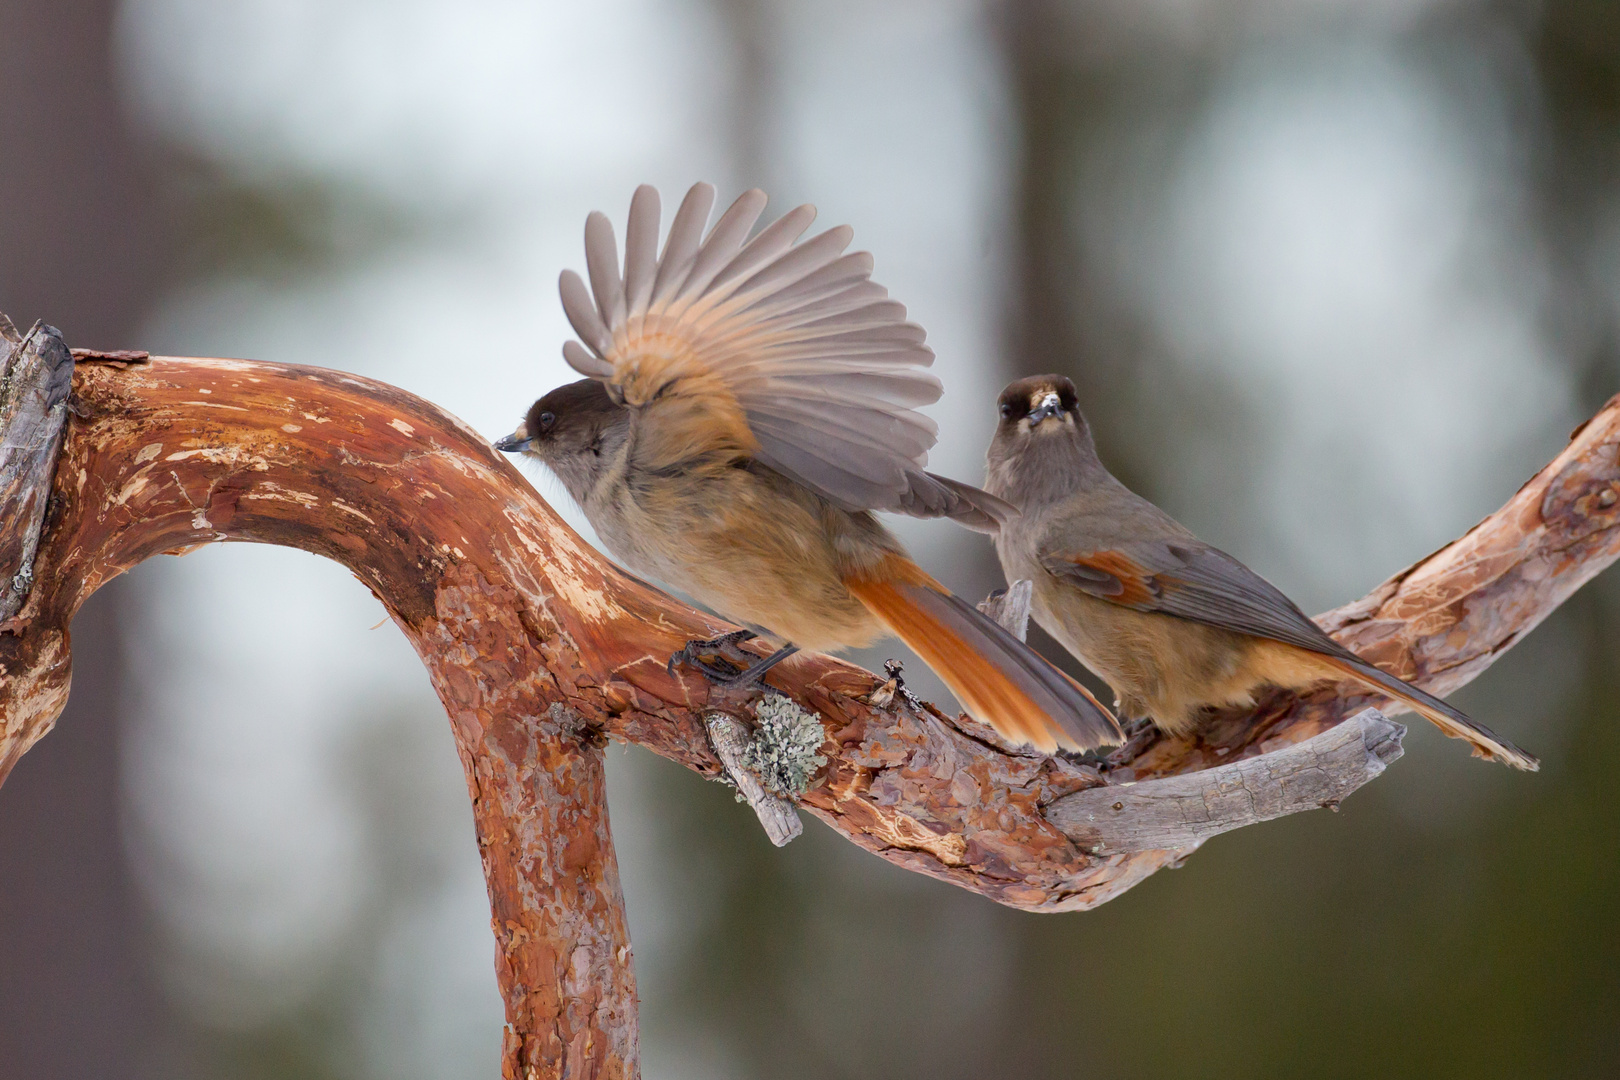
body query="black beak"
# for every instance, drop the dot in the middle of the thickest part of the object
(514, 443)
(1049, 406)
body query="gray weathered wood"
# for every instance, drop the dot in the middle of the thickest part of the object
(1183, 811)
(730, 738)
(1010, 607)
(36, 375)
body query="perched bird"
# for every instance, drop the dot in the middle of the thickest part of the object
(1170, 623)
(748, 404)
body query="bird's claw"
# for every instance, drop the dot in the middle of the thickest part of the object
(733, 667)
(724, 647)
(1093, 758)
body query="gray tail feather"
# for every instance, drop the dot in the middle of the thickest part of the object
(1447, 718)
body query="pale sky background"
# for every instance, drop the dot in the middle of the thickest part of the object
(1337, 241)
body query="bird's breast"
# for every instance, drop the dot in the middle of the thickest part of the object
(755, 551)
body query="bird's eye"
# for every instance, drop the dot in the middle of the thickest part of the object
(1006, 410)
(546, 420)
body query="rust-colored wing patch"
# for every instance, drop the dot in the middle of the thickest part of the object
(1111, 575)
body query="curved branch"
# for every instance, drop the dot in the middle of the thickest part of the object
(539, 647)
(1442, 621)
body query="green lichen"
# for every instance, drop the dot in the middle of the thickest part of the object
(784, 753)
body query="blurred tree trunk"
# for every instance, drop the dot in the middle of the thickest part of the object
(79, 232)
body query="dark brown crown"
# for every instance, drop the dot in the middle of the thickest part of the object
(1020, 397)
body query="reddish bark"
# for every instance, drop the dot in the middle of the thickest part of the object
(539, 648)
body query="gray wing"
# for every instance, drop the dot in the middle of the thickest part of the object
(1195, 581)
(1192, 580)
(822, 364)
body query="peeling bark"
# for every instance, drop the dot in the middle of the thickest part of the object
(1180, 812)
(35, 372)
(540, 648)
(1010, 607)
(776, 815)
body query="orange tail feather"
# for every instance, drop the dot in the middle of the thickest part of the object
(997, 678)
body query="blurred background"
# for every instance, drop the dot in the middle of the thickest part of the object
(1334, 278)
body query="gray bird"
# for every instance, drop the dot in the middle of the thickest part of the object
(1172, 624)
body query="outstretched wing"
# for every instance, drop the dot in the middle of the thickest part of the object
(1194, 581)
(787, 346)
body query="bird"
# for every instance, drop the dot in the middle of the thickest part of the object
(748, 403)
(1171, 624)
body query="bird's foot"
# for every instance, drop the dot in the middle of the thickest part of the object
(1133, 728)
(1093, 758)
(730, 659)
(731, 667)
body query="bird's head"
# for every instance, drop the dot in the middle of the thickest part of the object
(1042, 447)
(1039, 406)
(574, 430)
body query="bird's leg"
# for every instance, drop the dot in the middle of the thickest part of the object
(724, 646)
(733, 667)
(756, 671)
(1136, 726)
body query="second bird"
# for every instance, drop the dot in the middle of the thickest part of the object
(1173, 625)
(748, 404)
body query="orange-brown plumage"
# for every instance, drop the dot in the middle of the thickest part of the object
(1135, 583)
(917, 610)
